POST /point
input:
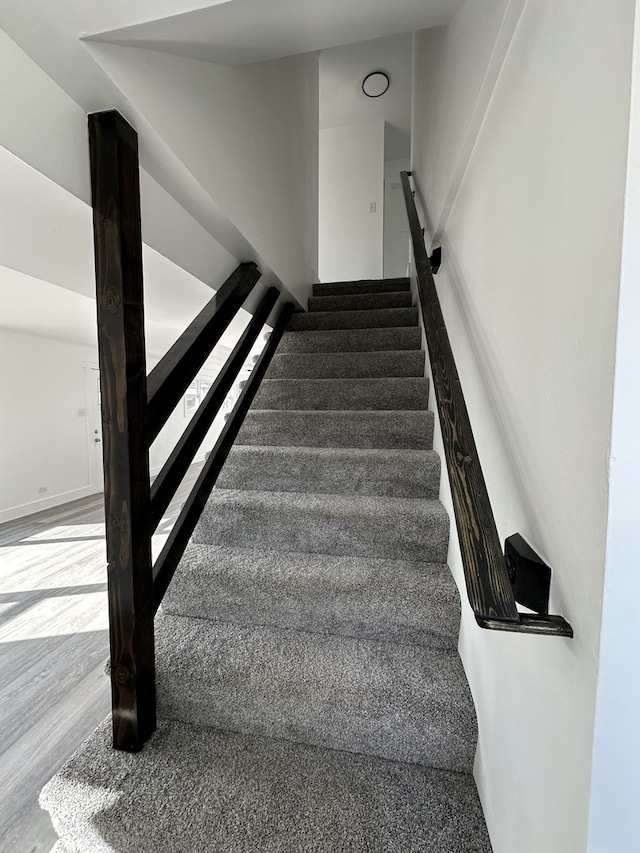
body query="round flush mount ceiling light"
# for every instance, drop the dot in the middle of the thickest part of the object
(375, 84)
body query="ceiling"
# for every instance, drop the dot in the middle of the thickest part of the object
(232, 31)
(239, 32)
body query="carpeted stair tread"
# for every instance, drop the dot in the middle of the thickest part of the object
(194, 789)
(373, 319)
(364, 525)
(366, 429)
(351, 340)
(339, 365)
(341, 288)
(401, 702)
(402, 392)
(330, 470)
(390, 600)
(360, 301)
(311, 698)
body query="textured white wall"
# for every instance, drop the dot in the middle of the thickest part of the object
(350, 241)
(521, 122)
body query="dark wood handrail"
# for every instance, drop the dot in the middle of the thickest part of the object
(136, 406)
(171, 377)
(166, 483)
(486, 575)
(178, 539)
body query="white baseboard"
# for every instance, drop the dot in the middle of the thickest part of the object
(11, 513)
(49, 502)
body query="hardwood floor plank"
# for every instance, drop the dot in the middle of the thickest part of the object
(39, 686)
(40, 752)
(53, 651)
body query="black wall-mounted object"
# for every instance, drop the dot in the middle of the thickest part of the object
(435, 259)
(530, 576)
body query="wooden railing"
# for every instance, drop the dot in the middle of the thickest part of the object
(488, 578)
(136, 406)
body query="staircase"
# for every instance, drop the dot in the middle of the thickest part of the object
(310, 693)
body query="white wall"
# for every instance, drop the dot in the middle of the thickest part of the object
(248, 135)
(521, 120)
(342, 101)
(349, 236)
(350, 241)
(46, 437)
(45, 219)
(396, 224)
(40, 123)
(477, 39)
(43, 440)
(47, 314)
(615, 789)
(237, 149)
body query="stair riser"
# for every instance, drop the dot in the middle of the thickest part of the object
(341, 527)
(351, 340)
(328, 691)
(391, 601)
(343, 394)
(399, 430)
(343, 288)
(346, 365)
(360, 301)
(377, 319)
(392, 474)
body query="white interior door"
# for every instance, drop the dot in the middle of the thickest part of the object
(94, 427)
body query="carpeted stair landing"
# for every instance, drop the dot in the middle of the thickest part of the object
(310, 693)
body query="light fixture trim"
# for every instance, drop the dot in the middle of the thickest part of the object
(375, 84)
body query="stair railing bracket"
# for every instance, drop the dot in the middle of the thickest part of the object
(530, 576)
(435, 259)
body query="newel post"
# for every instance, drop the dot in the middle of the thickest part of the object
(119, 291)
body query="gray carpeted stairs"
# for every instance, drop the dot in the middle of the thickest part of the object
(310, 693)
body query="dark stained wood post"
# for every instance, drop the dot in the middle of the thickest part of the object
(123, 381)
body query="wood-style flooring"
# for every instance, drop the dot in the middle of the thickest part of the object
(53, 652)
